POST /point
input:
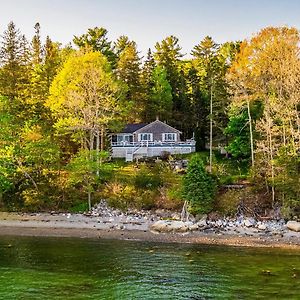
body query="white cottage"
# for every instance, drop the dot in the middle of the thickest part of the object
(148, 140)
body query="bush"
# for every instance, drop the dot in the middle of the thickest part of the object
(227, 203)
(145, 179)
(198, 187)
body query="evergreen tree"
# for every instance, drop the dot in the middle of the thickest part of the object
(160, 104)
(197, 110)
(13, 57)
(128, 71)
(168, 56)
(198, 187)
(36, 46)
(96, 38)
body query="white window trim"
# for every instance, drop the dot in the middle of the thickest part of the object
(123, 135)
(140, 135)
(164, 137)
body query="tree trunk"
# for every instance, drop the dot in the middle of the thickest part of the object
(251, 132)
(90, 200)
(97, 150)
(210, 128)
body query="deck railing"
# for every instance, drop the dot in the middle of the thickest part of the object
(155, 143)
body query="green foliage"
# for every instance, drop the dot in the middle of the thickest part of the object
(198, 187)
(160, 95)
(238, 129)
(287, 181)
(227, 202)
(96, 39)
(147, 179)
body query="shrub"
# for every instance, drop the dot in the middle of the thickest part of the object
(198, 187)
(145, 179)
(227, 203)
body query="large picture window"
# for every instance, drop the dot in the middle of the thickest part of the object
(169, 137)
(145, 137)
(125, 138)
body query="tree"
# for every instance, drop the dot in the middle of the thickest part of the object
(160, 96)
(128, 70)
(96, 39)
(147, 85)
(36, 46)
(267, 68)
(237, 129)
(13, 59)
(168, 55)
(83, 171)
(198, 187)
(86, 99)
(197, 110)
(205, 55)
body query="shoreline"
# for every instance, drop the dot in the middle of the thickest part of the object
(149, 236)
(139, 228)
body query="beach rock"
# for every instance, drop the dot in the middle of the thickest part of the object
(201, 217)
(179, 226)
(171, 226)
(220, 223)
(262, 226)
(159, 226)
(201, 223)
(175, 216)
(250, 222)
(194, 227)
(293, 225)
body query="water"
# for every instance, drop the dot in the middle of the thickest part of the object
(73, 268)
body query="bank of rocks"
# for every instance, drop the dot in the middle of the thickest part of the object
(164, 221)
(240, 225)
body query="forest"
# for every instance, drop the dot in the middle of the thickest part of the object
(59, 103)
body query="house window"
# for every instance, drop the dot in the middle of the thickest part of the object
(124, 138)
(145, 137)
(169, 137)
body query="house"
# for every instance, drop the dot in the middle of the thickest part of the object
(148, 140)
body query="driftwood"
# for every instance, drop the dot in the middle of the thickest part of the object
(184, 213)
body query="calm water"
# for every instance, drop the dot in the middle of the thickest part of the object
(70, 268)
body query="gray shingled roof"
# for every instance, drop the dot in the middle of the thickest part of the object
(131, 128)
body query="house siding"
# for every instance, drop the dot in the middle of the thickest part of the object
(157, 128)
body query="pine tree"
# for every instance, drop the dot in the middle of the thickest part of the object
(36, 46)
(160, 104)
(168, 55)
(128, 70)
(13, 58)
(96, 38)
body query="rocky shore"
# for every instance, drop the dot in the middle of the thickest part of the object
(159, 225)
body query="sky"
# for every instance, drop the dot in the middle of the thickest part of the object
(150, 21)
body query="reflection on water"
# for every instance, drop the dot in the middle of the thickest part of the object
(70, 268)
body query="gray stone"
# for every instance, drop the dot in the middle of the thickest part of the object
(250, 222)
(262, 227)
(200, 217)
(194, 227)
(293, 225)
(159, 226)
(202, 223)
(171, 226)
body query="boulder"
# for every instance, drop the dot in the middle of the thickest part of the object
(194, 227)
(249, 222)
(202, 223)
(159, 226)
(293, 225)
(262, 227)
(200, 217)
(171, 226)
(179, 226)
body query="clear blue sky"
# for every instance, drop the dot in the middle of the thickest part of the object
(149, 21)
